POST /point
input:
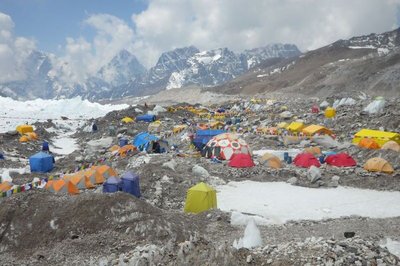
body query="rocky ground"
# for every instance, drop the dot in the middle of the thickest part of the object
(42, 228)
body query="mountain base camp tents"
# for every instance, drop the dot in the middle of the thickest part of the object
(241, 160)
(306, 160)
(380, 137)
(130, 184)
(41, 162)
(340, 160)
(377, 164)
(199, 198)
(112, 185)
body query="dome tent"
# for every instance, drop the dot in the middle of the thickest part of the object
(340, 160)
(199, 198)
(241, 160)
(224, 146)
(377, 164)
(306, 160)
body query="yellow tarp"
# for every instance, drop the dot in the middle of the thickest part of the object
(22, 129)
(295, 126)
(200, 197)
(314, 129)
(381, 137)
(127, 119)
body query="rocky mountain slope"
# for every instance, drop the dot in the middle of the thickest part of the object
(367, 63)
(124, 75)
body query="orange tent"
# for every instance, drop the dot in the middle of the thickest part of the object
(377, 164)
(123, 151)
(62, 186)
(24, 139)
(313, 150)
(79, 180)
(114, 148)
(5, 186)
(31, 135)
(94, 176)
(272, 161)
(368, 143)
(105, 170)
(391, 145)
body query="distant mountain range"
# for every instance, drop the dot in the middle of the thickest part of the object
(124, 75)
(369, 63)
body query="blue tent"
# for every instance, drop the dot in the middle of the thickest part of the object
(203, 136)
(1, 156)
(112, 184)
(41, 162)
(130, 184)
(143, 140)
(146, 118)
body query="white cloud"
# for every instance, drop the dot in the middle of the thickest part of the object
(13, 51)
(243, 24)
(84, 58)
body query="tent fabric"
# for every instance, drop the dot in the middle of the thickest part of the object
(199, 198)
(340, 160)
(224, 146)
(105, 171)
(130, 184)
(306, 160)
(391, 145)
(203, 137)
(112, 185)
(295, 126)
(5, 186)
(313, 150)
(146, 118)
(330, 112)
(127, 120)
(311, 130)
(62, 186)
(79, 180)
(41, 162)
(123, 151)
(22, 129)
(241, 160)
(94, 176)
(143, 140)
(368, 143)
(378, 164)
(381, 137)
(271, 160)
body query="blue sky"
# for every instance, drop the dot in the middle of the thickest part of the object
(49, 22)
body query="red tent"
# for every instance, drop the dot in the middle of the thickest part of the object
(340, 159)
(306, 160)
(241, 160)
(315, 109)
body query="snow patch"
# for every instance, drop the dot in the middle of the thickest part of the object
(392, 245)
(279, 202)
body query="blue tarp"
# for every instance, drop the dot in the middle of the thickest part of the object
(41, 162)
(1, 156)
(146, 118)
(112, 184)
(143, 140)
(203, 136)
(130, 184)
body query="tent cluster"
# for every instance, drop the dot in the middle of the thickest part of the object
(376, 139)
(27, 133)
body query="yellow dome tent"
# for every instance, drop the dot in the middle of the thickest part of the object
(377, 164)
(200, 197)
(330, 112)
